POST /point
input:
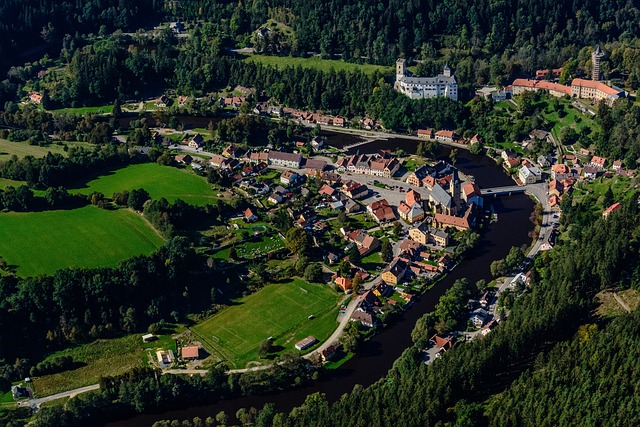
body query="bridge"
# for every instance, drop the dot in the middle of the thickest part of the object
(502, 191)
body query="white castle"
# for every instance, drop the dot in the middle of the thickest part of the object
(425, 87)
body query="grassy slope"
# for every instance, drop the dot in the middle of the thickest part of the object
(317, 63)
(279, 310)
(159, 181)
(42, 242)
(22, 149)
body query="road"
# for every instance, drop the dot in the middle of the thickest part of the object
(71, 393)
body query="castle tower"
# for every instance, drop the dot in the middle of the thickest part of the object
(401, 68)
(596, 57)
(447, 71)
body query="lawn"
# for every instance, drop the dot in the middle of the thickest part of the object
(6, 182)
(254, 248)
(43, 242)
(317, 63)
(278, 310)
(86, 110)
(160, 181)
(22, 149)
(100, 358)
(372, 261)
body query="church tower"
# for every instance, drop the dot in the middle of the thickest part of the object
(401, 68)
(596, 57)
(454, 188)
(447, 71)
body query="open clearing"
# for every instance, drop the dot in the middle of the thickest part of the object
(316, 63)
(43, 242)
(160, 181)
(280, 311)
(22, 149)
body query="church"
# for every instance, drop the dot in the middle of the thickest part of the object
(442, 85)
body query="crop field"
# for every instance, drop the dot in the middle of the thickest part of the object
(160, 181)
(316, 63)
(280, 311)
(43, 242)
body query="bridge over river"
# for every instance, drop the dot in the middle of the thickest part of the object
(503, 191)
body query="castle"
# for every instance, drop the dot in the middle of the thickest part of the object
(442, 85)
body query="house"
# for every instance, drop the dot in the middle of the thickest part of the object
(350, 206)
(197, 141)
(395, 271)
(364, 241)
(426, 133)
(589, 89)
(614, 207)
(539, 134)
(471, 194)
(381, 211)
(446, 136)
(409, 248)
(275, 198)
(149, 338)
(344, 283)
(441, 344)
(338, 121)
(475, 139)
(184, 159)
(289, 177)
(411, 213)
(259, 157)
(368, 123)
(306, 343)
(191, 352)
(326, 190)
(330, 177)
(365, 318)
(417, 177)
(35, 97)
(556, 188)
(165, 358)
(617, 165)
(478, 317)
(249, 216)
(355, 190)
(365, 164)
(590, 172)
(382, 290)
(439, 237)
(543, 161)
(597, 162)
(288, 160)
(530, 175)
(420, 233)
(19, 392)
(314, 167)
(163, 101)
(317, 143)
(329, 353)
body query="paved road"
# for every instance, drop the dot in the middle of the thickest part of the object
(71, 393)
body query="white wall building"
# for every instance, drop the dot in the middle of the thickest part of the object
(442, 85)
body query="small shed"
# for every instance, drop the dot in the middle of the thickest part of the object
(149, 338)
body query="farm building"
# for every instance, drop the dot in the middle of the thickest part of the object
(306, 343)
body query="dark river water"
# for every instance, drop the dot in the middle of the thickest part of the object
(379, 353)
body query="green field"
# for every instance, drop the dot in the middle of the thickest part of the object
(160, 181)
(86, 110)
(255, 248)
(317, 63)
(22, 149)
(280, 311)
(6, 182)
(43, 242)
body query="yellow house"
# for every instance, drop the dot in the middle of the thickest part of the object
(420, 234)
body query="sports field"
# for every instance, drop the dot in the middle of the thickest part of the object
(160, 181)
(43, 242)
(278, 310)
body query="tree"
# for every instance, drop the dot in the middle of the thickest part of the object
(137, 198)
(498, 268)
(386, 252)
(342, 217)
(266, 348)
(356, 284)
(351, 337)
(117, 109)
(608, 198)
(313, 273)
(297, 241)
(514, 258)
(233, 254)
(481, 285)
(453, 155)
(397, 229)
(354, 255)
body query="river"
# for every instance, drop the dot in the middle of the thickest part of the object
(378, 354)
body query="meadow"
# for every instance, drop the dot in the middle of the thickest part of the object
(279, 310)
(317, 63)
(22, 149)
(43, 242)
(160, 181)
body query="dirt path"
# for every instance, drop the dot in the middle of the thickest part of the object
(621, 302)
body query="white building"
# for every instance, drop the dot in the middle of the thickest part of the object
(530, 175)
(442, 85)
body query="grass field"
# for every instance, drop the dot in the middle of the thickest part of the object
(22, 149)
(43, 242)
(6, 182)
(100, 358)
(86, 110)
(317, 63)
(280, 311)
(160, 181)
(253, 249)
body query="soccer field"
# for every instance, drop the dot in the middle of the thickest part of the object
(43, 242)
(280, 311)
(160, 181)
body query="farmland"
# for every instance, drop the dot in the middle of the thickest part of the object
(279, 310)
(159, 181)
(43, 242)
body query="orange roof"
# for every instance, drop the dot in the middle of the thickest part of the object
(190, 352)
(612, 208)
(595, 85)
(560, 168)
(413, 197)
